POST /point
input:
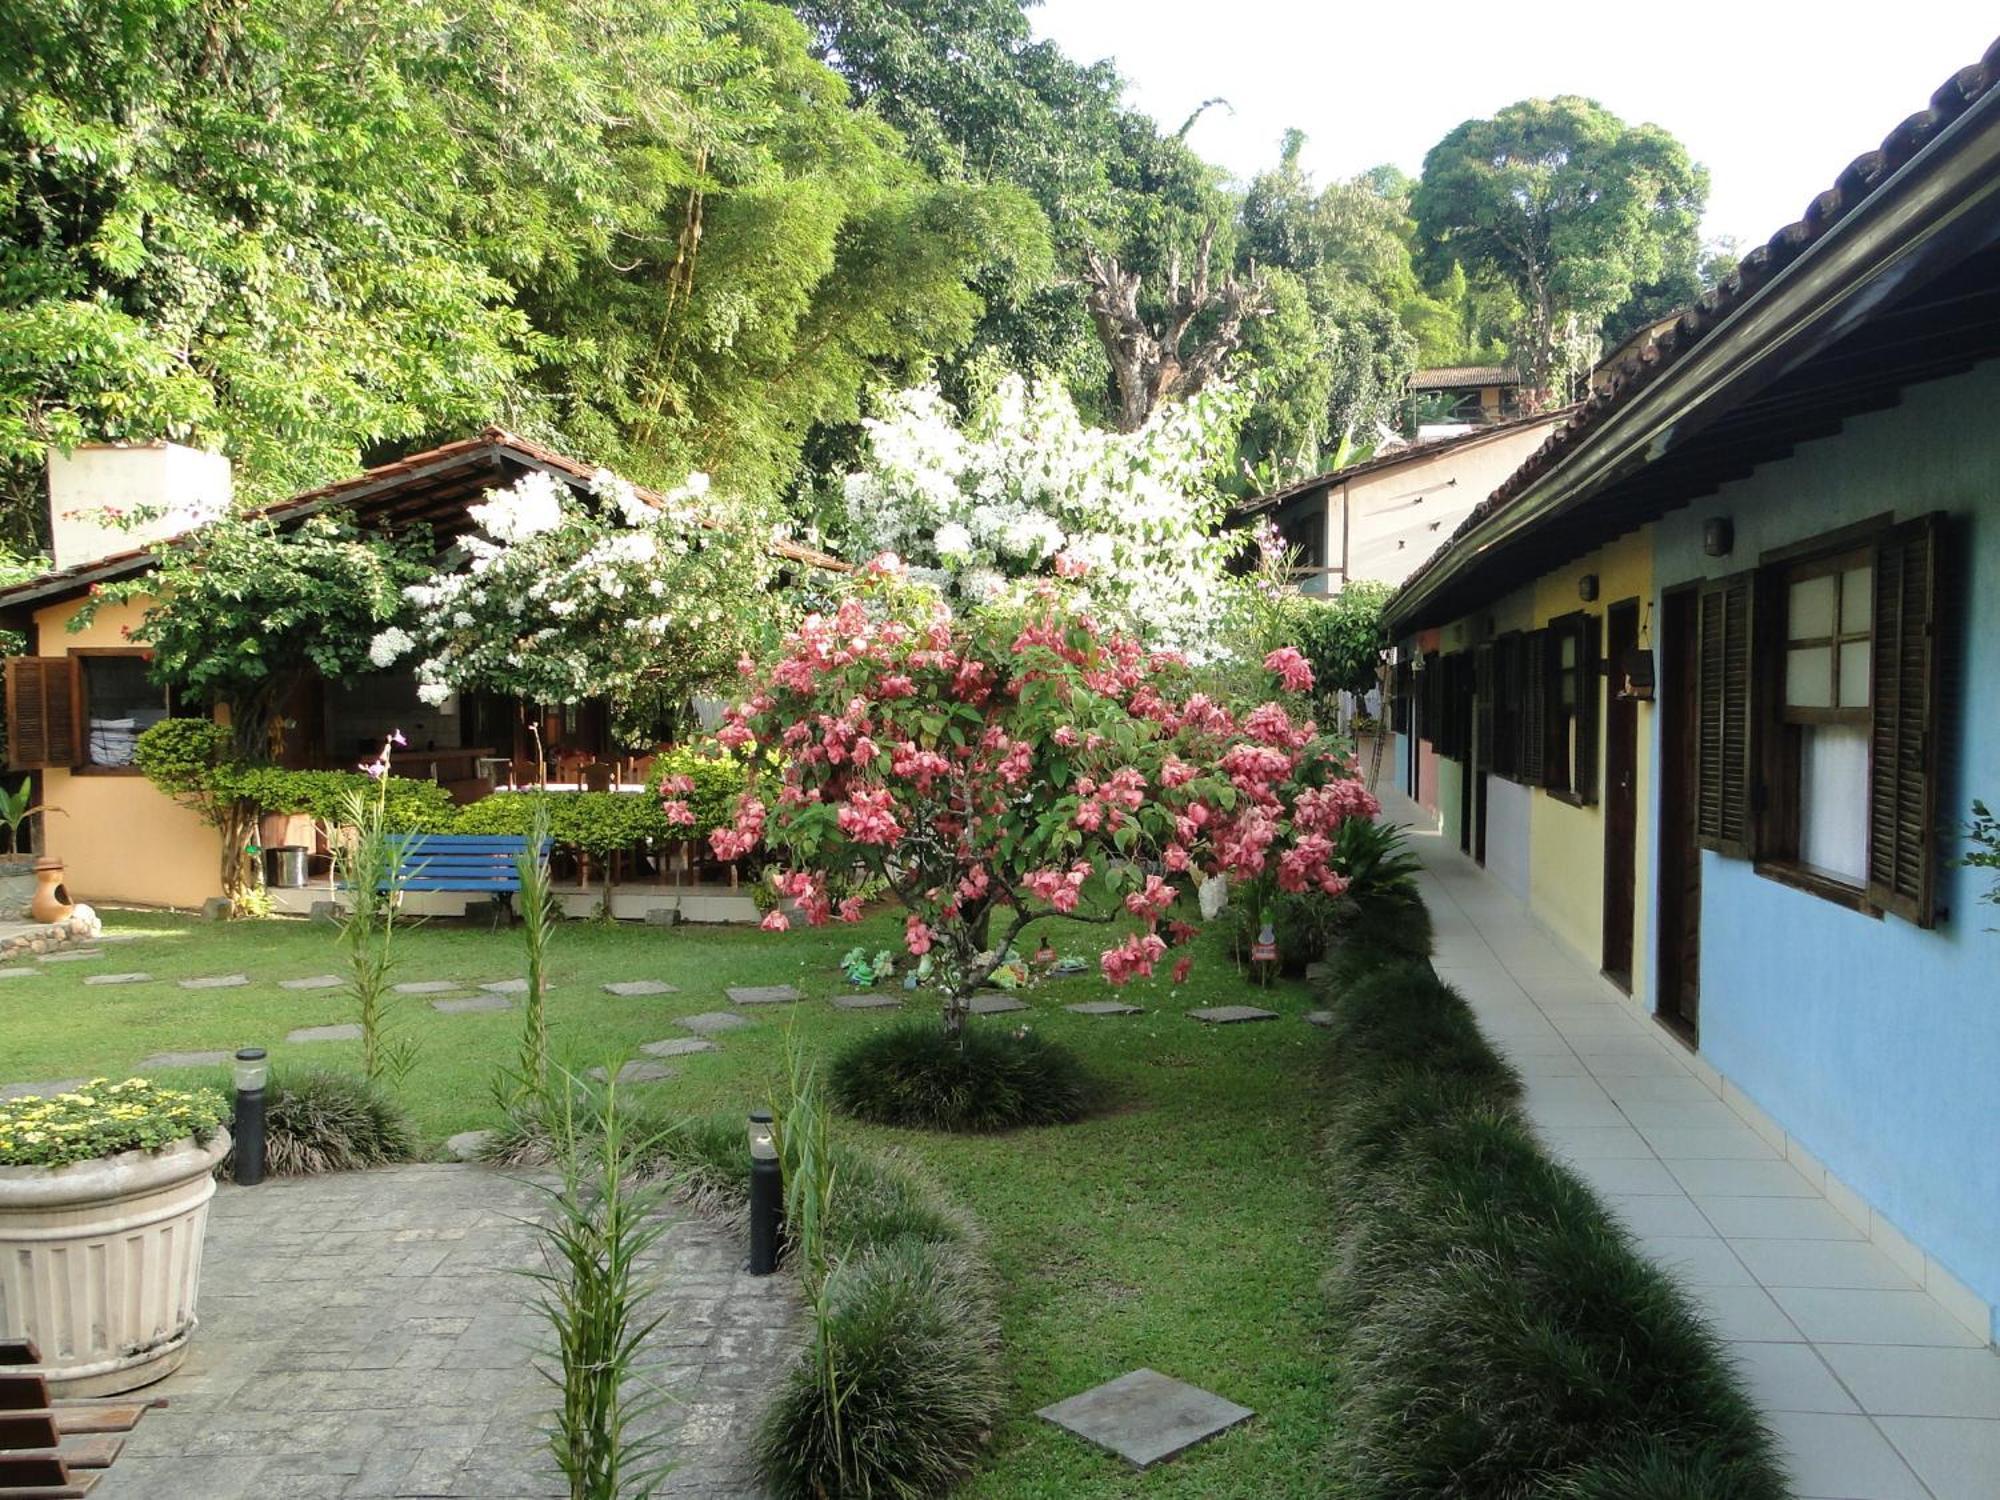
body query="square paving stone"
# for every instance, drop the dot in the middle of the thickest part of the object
(509, 987)
(679, 1046)
(429, 987)
(118, 979)
(184, 1060)
(464, 1004)
(73, 955)
(1223, 1015)
(1145, 1417)
(867, 1002)
(313, 982)
(216, 982)
(18, 973)
(762, 994)
(712, 1020)
(1319, 1017)
(1105, 1008)
(637, 1072)
(39, 1090)
(468, 1145)
(993, 1005)
(640, 987)
(346, 1032)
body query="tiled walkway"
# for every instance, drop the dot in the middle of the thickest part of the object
(1875, 1389)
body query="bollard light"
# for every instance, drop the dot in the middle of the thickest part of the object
(767, 1193)
(253, 1071)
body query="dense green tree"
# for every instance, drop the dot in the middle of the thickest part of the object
(1576, 211)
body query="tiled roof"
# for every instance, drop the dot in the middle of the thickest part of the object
(1450, 377)
(1757, 269)
(1409, 453)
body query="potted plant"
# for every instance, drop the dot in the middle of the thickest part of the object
(103, 1203)
(17, 868)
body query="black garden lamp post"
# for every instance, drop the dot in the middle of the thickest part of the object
(253, 1071)
(767, 1194)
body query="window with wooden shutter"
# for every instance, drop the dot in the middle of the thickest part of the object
(1903, 729)
(41, 712)
(1534, 706)
(1722, 715)
(1589, 656)
(1432, 703)
(1483, 689)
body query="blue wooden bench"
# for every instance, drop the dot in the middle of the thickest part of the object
(480, 864)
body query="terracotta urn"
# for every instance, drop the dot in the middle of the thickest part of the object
(51, 902)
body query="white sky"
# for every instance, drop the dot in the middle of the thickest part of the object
(1773, 97)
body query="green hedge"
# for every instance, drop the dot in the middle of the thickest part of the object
(1497, 1332)
(414, 806)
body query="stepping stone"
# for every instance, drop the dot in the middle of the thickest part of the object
(1316, 969)
(40, 1090)
(73, 955)
(314, 982)
(1106, 1008)
(468, 1145)
(712, 1020)
(679, 1046)
(643, 987)
(1319, 1018)
(217, 982)
(637, 1072)
(349, 1031)
(867, 1002)
(762, 994)
(429, 987)
(119, 937)
(465, 1004)
(1224, 1015)
(184, 1060)
(993, 1005)
(118, 979)
(1145, 1417)
(18, 973)
(508, 987)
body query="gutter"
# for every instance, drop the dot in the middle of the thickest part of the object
(1940, 203)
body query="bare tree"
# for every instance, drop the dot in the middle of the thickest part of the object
(1148, 364)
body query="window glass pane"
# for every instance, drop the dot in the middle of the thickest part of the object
(1809, 677)
(1857, 600)
(1811, 611)
(1855, 657)
(1833, 800)
(1568, 650)
(122, 703)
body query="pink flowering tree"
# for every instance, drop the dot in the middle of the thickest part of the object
(1009, 766)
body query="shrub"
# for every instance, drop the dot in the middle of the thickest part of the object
(410, 804)
(915, 1073)
(911, 1347)
(718, 780)
(1382, 906)
(1498, 1334)
(595, 823)
(102, 1118)
(323, 1121)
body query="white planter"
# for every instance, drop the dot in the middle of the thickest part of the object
(100, 1261)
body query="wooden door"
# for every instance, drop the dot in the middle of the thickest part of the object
(1678, 894)
(1621, 795)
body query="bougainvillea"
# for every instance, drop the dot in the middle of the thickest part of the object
(1003, 766)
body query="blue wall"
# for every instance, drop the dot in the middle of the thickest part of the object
(1873, 1042)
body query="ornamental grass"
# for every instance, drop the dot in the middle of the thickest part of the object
(984, 1078)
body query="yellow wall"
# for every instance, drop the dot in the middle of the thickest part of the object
(119, 839)
(1567, 843)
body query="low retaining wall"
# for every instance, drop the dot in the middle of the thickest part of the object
(81, 926)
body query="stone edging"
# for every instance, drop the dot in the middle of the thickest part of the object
(81, 926)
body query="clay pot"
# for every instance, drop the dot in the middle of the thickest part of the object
(51, 903)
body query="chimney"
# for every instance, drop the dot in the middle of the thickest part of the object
(109, 498)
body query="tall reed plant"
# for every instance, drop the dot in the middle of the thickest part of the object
(594, 1290)
(538, 922)
(367, 865)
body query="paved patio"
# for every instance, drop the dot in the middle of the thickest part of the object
(369, 1334)
(1876, 1390)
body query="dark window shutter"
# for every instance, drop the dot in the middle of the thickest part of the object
(41, 712)
(1534, 707)
(1432, 703)
(1589, 654)
(1722, 719)
(1483, 686)
(1903, 758)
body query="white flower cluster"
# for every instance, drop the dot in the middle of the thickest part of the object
(556, 598)
(1026, 481)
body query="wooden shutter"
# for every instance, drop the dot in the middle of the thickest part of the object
(41, 712)
(1589, 655)
(1432, 704)
(1483, 687)
(1722, 716)
(1903, 758)
(1534, 707)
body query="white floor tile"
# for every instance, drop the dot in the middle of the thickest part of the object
(1776, 1219)
(1830, 1263)
(1745, 1313)
(1846, 1315)
(1789, 1377)
(1629, 1175)
(1735, 1143)
(1590, 1142)
(1841, 1457)
(1901, 1381)
(1696, 1261)
(1744, 1179)
(1959, 1460)
(1656, 1213)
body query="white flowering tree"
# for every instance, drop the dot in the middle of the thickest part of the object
(1025, 488)
(556, 597)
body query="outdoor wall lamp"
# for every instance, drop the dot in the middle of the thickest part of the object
(252, 1071)
(767, 1193)
(1586, 588)
(1718, 536)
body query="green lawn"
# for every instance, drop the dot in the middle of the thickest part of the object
(1183, 1228)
